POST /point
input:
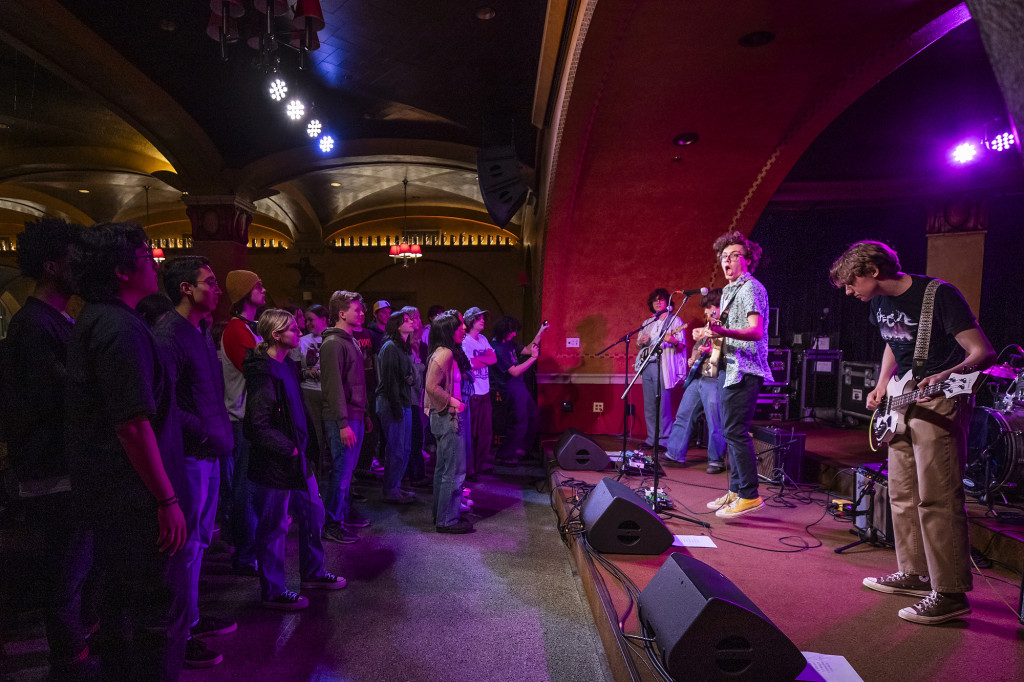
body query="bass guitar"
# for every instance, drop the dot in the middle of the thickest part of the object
(900, 393)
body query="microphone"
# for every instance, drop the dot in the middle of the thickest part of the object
(703, 291)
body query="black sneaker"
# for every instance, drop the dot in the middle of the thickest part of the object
(936, 608)
(209, 626)
(715, 467)
(324, 581)
(198, 655)
(460, 527)
(356, 520)
(353, 496)
(289, 601)
(901, 583)
(339, 533)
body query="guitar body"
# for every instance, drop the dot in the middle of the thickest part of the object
(695, 372)
(887, 421)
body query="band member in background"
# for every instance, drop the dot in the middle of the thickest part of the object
(926, 462)
(744, 360)
(673, 365)
(702, 396)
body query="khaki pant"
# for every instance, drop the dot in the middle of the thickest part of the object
(926, 466)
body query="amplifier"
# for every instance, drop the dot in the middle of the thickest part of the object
(876, 507)
(779, 363)
(819, 380)
(778, 452)
(772, 407)
(856, 380)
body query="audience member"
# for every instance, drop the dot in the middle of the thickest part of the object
(481, 356)
(375, 327)
(307, 355)
(520, 407)
(416, 471)
(396, 378)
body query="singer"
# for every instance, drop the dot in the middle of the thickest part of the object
(673, 365)
(744, 358)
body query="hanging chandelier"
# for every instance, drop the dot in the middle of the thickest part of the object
(404, 251)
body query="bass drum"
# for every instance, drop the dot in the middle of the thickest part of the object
(999, 436)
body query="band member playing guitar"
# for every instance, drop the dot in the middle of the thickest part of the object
(673, 364)
(926, 460)
(701, 395)
(745, 360)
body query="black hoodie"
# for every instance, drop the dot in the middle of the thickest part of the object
(275, 422)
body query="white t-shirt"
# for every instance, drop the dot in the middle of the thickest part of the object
(307, 354)
(475, 348)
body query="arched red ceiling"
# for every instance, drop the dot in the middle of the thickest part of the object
(624, 215)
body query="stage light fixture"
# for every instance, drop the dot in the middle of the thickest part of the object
(326, 143)
(314, 128)
(1001, 142)
(296, 110)
(965, 152)
(277, 89)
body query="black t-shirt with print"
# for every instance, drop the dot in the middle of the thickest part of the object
(897, 319)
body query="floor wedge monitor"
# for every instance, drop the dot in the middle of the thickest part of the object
(707, 629)
(617, 521)
(576, 452)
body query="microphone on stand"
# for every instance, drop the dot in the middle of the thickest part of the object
(703, 291)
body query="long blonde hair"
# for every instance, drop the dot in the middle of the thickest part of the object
(272, 320)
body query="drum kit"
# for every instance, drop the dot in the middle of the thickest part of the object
(995, 442)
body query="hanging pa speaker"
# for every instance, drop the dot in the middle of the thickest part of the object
(617, 521)
(707, 629)
(501, 184)
(576, 452)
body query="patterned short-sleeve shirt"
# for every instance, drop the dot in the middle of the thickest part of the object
(744, 296)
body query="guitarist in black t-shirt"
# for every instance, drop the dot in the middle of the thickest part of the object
(926, 460)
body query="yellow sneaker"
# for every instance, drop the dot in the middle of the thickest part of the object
(724, 500)
(739, 507)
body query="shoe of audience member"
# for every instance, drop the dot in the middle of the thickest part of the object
(464, 508)
(337, 532)
(399, 498)
(376, 467)
(739, 507)
(460, 527)
(466, 492)
(936, 608)
(287, 601)
(198, 655)
(901, 583)
(210, 626)
(324, 581)
(715, 467)
(722, 501)
(353, 519)
(353, 496)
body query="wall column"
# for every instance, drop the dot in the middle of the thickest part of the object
(220, 232)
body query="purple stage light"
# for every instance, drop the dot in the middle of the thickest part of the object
(1001, 142)
(965, 152)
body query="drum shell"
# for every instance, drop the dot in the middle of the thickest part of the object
(1001, 434)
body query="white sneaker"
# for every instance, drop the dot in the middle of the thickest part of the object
(724, 500)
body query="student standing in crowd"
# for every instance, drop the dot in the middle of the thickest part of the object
(378, 321)
(416, 471)
(187, 346)
(345, 419)
(275, 423)
(34, 418)
(396, 378)
(125, 456)
(307, 355)
(481, 357)
(248, 297)
(443, 399)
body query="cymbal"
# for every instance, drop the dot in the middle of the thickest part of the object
(1003, 371)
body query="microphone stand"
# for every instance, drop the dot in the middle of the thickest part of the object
(656, 357)
(625, 396)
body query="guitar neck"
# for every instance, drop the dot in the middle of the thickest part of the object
(957, 383)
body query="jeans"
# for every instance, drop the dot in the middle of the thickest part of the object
(416, 469)
(702, 395)
(343, 463)
(926, 467)
(450, 470)
(272, 530)
(397, 434)
(68, 563)
(319, 452)
(650, 385)
(199, 505)
(738, 404)
(521, 411)
(478, 457)
(142, 617)
(243, 518)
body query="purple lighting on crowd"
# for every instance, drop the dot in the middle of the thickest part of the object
(1001, 142)
(965, 152)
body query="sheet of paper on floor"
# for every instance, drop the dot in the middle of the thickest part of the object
(827, 668)
(693, 541)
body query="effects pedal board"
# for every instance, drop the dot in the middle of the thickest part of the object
(647, 493)
(639, 464)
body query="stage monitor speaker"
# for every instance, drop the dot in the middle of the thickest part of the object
(617, 521)
(501, 183)
(707, 629)
(576, 452)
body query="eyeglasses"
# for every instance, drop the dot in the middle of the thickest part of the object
(210, 282)
(732, 257)
(146, 256)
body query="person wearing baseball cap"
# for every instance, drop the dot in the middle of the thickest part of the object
(381, 313)
(481, 356)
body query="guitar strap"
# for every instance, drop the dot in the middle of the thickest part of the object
(924, 328)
